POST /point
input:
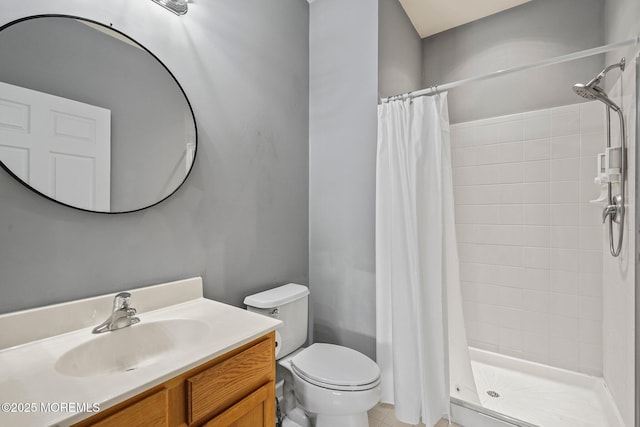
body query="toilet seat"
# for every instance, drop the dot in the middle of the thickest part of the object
(336, 367)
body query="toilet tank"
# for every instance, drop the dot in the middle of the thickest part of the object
(289, 303)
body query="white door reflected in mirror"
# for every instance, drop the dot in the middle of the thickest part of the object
(60, 147)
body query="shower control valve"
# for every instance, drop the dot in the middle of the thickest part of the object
(614, 210)
(610, 210)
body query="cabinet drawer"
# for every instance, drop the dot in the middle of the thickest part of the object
(217, 388)
(254, 410)
(149, 412)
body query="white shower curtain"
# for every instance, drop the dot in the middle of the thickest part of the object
(415, 257)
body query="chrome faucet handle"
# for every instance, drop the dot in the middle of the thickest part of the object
(121, 301)
(615, 210)
(122, 315)
(611, 210)
(131, 316)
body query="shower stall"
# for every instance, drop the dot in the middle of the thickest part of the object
(545, 213)
(542, 125)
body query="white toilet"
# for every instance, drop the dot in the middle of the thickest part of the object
(334, 385)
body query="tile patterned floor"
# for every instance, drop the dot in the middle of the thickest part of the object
(383, 415)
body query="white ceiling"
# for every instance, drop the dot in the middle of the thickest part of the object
(433, 16)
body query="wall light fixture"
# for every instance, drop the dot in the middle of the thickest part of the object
(179, 7)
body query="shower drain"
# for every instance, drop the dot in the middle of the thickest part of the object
(493, 394)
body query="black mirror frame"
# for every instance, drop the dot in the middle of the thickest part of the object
(195, 127)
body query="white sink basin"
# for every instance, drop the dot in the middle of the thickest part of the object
(48, 354)
(131, 348)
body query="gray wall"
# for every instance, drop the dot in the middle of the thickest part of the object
(63, 57)
(342, 148)
(622, 22)
(525, 34)
(399, 51)
(241, 219)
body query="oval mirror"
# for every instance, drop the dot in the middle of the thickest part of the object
(90, 118)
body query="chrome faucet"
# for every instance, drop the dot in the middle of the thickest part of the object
(121, 316)
(615, 210)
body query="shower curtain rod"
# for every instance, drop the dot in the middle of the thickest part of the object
(551, 61)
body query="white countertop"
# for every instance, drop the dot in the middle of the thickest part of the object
(29, 380)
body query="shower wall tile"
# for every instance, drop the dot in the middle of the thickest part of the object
(565, 123)
(591, 308)
(565, 282)
(591, 261)
(565, 305)
(535, 279)
(591, 358)
(591, 284)
(536, 322)
(538, 127)
(591, 119)
(565, 192)
(536, 171)
(536, 215)
(536, 346)
(510, 193)
(464, 157)
(499, 153)
(564, 353)
(567, 237)
(591, 215)
(511, 214)
(565, 327)
(565, 169)
(566, 215)
(593, 143)
(535, 301)
(530, 243)
(565, 146)
(512, 130)
(589, 332)
(537, 192)
(536, 258)
(509, 276)
(510, 297)
(537, 236)
(588, 190)
(537, 149)
(565, 260)
(510, 339)
(487, 134)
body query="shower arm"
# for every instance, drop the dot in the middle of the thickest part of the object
(597, 79)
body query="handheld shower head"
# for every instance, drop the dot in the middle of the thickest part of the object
(592, 91)
(585, 91)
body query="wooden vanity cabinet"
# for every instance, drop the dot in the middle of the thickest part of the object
(236, 389)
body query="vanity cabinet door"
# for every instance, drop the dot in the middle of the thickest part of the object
(254, 410)
(149, 412)
(230, 381)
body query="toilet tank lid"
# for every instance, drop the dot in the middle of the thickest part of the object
(277, 296)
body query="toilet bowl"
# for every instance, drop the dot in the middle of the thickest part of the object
(335, 386)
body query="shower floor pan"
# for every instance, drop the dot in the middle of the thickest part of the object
(542, 395)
